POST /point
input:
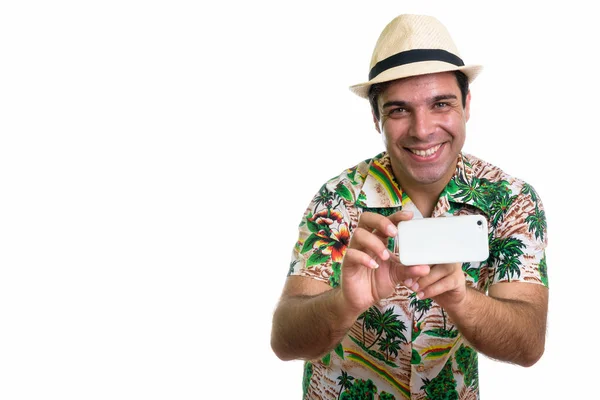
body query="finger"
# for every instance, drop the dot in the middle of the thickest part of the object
(400, 216)
(443, 277)
(407, 276)
(396, 218)
(446, 284)
(437, 272)
(380, 234)
(357, 258)
(369, 243)
(377, 223)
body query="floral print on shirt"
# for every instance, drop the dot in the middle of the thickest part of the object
(404, 347)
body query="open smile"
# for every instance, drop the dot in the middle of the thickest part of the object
(426, 153)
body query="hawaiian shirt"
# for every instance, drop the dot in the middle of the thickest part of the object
(404, 347)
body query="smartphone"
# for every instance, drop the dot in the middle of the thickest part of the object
(443, 240)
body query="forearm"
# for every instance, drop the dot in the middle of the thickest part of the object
(503, 329)
(308, 327)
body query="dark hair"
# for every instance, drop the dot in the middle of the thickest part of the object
(378, 88)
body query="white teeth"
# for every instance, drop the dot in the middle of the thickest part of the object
(426, 153)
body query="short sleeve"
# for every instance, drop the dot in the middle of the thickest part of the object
(518, 242)
(323, 237)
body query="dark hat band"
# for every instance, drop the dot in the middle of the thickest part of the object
(413, 56)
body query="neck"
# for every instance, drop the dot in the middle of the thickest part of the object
(425, 196)
(424, 199)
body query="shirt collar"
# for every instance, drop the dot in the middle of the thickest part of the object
(381, 190)
(467, 188)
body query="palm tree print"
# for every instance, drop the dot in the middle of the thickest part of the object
(491, 197)
(367, 319)
(500, 206)
(508, 268)
(323, 197)
(386, 323)
(506, 252)
(527, 189)
(388, 330)
(422, 306)
(467, 192)
(345, 381)
(389, 346)
(537, 222)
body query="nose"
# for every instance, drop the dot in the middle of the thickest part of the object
(422, 124)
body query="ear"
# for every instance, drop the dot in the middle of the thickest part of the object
(375, 121)
(468, 106)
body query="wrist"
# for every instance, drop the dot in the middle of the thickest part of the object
(343, 315)
(461, 304)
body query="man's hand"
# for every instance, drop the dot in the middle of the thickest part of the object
(370, 272)
(445, 284)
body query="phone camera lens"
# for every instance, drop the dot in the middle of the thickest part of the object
(479, 223)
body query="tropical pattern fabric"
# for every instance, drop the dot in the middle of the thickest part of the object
(404, 347)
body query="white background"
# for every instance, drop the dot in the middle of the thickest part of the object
(156, 158)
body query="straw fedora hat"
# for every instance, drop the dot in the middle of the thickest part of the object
(413, 45)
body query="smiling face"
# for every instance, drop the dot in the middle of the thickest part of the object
(423, 123)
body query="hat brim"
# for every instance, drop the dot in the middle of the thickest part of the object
(415, 69)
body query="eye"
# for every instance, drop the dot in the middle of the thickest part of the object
(441, 104)
(397, 112)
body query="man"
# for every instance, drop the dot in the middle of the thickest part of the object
(370, 327)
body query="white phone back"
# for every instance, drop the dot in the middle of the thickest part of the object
(443, 240)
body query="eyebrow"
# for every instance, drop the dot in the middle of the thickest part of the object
(444, 97)
(394, 103)
(434, 99)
